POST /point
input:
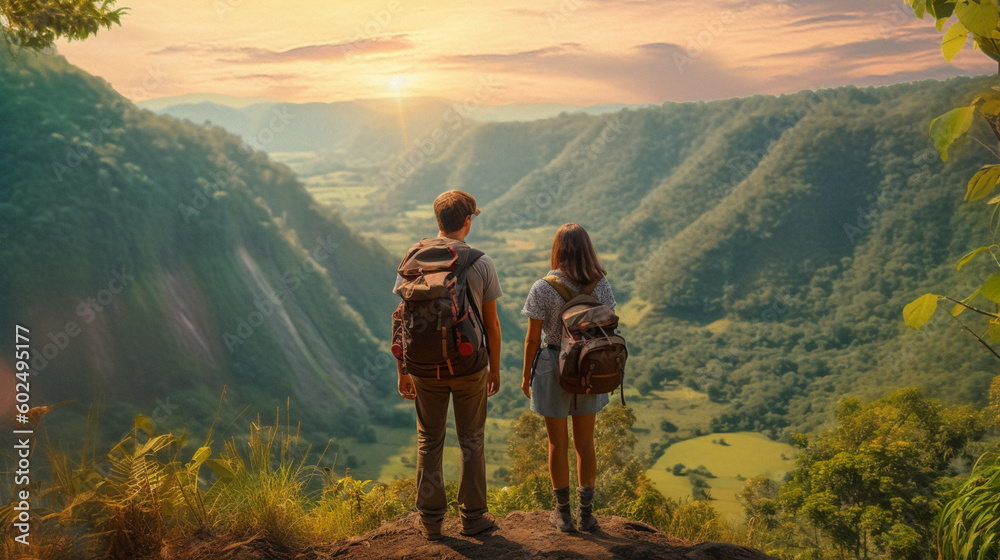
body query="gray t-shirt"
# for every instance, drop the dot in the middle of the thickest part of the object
(484, 284)
(544, 303)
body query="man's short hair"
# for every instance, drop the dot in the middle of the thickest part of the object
(451, 208)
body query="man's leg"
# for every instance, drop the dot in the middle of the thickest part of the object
(470, 420)
(432, 416)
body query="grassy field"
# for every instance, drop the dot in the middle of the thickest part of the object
(746, 454)
(686, 408)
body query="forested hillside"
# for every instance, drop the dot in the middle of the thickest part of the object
(156, 261)
(762, 248)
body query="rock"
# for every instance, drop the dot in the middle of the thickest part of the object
(528, 535)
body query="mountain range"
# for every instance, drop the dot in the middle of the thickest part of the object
(761, 249)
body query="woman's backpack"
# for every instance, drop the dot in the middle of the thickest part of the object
(592, 352)
(437, 328)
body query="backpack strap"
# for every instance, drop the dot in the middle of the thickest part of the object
(564, 290)
(473, 256)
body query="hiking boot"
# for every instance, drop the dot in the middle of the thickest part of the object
(584, 509)
(431, 533)
(477, 526)
(561, 517)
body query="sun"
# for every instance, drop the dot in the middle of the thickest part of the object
(396, 83)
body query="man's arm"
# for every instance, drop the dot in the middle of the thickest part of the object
(492, 325)
(405, 383)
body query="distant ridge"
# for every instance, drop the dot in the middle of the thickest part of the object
(331, 126)
(160, 103)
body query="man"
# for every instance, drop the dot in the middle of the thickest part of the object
(454, 211)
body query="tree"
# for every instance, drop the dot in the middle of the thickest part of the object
(980, 19)
(668, 427)
(869, 485)
(528, 446)
(36, 24)
(619, 470)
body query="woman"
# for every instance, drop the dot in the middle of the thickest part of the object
(575, 262)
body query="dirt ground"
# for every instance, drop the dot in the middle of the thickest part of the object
(520, 535)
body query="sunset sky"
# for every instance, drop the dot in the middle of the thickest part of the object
(564, 51)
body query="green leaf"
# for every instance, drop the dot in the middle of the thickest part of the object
(971, 255)
(983, 182)
(200, 456)
(949, 126)
(221, 468)
(991, 288)
(144, 423)
(920, 310)
(919, 7)
(978, 16)
(994, 332)
(960, 307)
(954, 39)
(990, 107)
(941, 10)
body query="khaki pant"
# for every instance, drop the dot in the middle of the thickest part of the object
(469, 395)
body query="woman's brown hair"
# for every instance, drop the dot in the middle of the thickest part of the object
(573, 253)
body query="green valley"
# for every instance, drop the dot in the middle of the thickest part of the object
(760, 249)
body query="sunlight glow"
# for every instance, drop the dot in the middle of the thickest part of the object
(396, 84)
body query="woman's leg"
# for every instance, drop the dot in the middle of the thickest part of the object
(558, 451)
(561, 516)
(583, 443)
(586, 465)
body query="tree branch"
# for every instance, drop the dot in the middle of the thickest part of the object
(969, 307)
(979, 338)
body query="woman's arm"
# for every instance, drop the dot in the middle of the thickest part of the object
(531, 344)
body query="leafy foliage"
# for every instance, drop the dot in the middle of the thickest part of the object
(978, 18)
(981, 18)
(36, 24)
(870, 484)
(528, 446)
(968, 522)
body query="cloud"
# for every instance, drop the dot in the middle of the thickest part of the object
(646, 73)
(507, 59)
(261, 76)
(831, 18)
(321, 52)
(941, 71)
(860, 50)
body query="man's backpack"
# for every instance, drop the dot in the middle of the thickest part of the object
(437, 327)
(592, 352)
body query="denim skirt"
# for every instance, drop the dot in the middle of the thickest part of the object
(548, 398)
